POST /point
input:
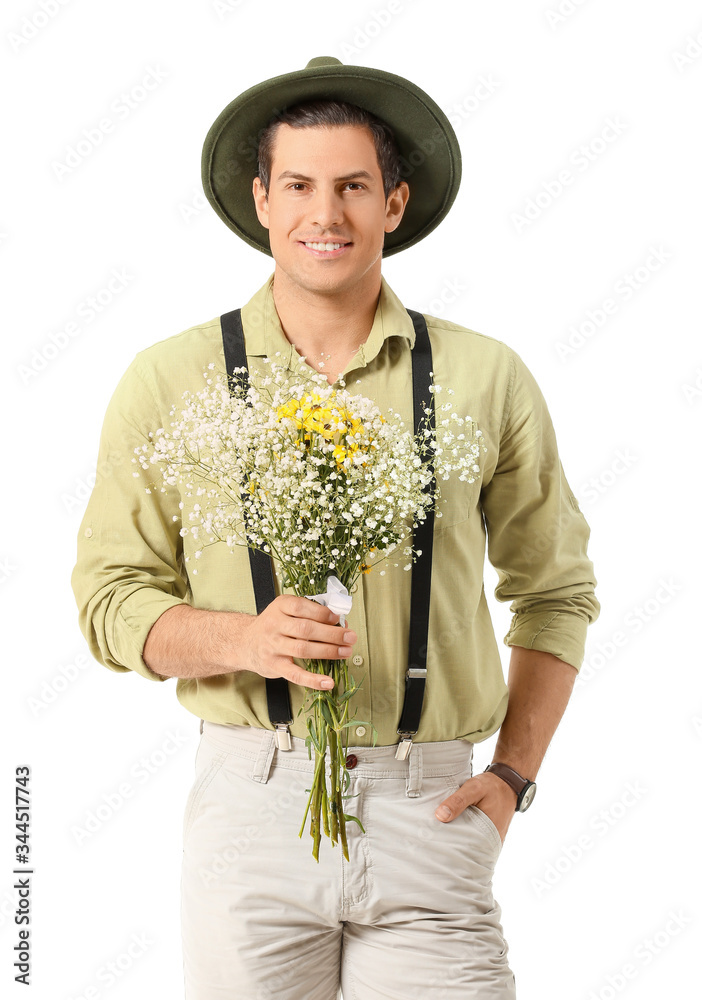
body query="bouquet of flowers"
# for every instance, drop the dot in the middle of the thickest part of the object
(325, 483)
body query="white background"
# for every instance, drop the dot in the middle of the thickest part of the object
(526, 89)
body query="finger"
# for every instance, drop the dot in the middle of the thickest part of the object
(307, 649)
(303, 607)
(454, 805)
(305, 678)
(306, 631)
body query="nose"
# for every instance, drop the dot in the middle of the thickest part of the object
(326, 209)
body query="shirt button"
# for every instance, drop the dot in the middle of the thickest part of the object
(351, 761)
(357, 660)
(88, 532)
(360, 730)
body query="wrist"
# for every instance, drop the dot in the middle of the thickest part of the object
(523, 788)
(501, 786)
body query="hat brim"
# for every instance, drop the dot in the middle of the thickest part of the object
(429, 150)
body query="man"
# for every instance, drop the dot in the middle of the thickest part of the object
(327, 170)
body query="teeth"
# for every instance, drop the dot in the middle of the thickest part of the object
(324, 246)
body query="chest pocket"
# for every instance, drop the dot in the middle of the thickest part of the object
(458, 499)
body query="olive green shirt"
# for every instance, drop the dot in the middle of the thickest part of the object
(131, 566)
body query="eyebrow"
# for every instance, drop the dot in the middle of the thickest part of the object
(347, 177)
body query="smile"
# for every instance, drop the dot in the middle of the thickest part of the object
(327, 249)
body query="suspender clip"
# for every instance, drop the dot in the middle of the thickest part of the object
(403, 747)
(282, 736)
(416, 671)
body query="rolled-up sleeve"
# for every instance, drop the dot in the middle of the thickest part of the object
(129, 566)
(536, 533)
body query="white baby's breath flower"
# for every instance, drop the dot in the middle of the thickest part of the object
(319, 477)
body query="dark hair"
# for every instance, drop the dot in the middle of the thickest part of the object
(325, 113)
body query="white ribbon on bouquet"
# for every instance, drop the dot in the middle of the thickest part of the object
(336, 598)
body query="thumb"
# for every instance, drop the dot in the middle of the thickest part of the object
(467, 795)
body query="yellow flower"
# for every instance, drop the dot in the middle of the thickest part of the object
(316, 415)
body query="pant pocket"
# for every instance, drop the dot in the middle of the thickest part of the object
(478, 819)
(482, 817)
(208, 761)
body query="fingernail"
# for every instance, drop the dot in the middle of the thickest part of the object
(344, 650)
(327, 682)
(349, 636)
(443, 812)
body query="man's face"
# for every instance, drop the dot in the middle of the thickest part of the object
(326, 188)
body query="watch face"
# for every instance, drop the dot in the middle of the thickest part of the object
(528, 797)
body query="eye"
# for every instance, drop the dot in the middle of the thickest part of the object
(297, 186)
(355, 184)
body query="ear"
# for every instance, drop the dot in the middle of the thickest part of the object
(395, 206)
(260, 197)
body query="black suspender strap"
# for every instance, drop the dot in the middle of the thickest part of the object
(277, 692)
(423, 541)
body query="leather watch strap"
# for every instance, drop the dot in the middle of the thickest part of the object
(515, 781)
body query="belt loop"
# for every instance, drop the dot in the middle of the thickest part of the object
(414, 778)
(202, 725)
(262, 764)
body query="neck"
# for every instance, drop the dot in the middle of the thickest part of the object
(331, 324)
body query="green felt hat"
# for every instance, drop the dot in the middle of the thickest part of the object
(431, 158)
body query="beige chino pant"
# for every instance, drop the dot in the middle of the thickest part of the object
(411, 915)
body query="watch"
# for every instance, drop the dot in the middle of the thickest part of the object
(525, 789)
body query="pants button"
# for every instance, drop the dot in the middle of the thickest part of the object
(351, 760)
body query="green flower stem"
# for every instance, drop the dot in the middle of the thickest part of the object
(328, 729)
(333, 753)
(314, 826)
(319, 766)
(338, 753)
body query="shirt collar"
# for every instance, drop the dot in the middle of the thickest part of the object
(265, 337)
